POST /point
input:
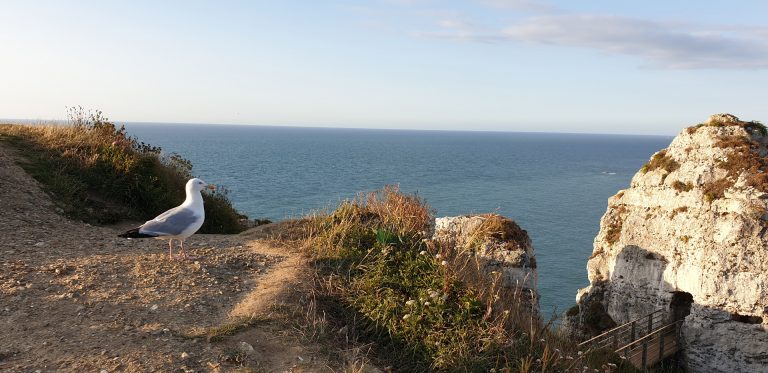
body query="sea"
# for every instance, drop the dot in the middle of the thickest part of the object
(554, 185)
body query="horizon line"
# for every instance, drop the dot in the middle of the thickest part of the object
(64, 121)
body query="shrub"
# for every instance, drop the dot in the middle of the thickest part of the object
(419, 300)
(99, 174)
(757, 126)
(716, 190)
(681, 186)
(662, 161)
(677, 211)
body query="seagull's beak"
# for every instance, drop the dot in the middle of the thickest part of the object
(211, 187)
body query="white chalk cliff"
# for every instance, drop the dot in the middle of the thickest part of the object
(691, 224)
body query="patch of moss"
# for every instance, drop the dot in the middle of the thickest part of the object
(677, 211)
(662, 161)
(681, 186)
(716, 189)
(613, 233)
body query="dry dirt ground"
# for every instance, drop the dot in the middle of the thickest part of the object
(75, 297)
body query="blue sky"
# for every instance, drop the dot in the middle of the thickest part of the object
(647, 67)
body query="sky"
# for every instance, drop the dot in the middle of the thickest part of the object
(597, 66)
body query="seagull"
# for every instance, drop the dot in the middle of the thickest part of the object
(177, 223)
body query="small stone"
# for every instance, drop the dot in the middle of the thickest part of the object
(184, 355)
(246, 348)
(153, 308)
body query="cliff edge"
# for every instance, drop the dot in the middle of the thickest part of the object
(689, 236)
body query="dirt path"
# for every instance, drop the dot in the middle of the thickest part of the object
(74, 297)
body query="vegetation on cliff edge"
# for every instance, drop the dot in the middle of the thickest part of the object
(96, 173)
(419, 301)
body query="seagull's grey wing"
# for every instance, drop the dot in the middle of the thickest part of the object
(170, 223)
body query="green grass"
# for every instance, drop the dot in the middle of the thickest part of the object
(96, 173)
(419, 301)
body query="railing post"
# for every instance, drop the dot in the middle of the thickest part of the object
(632, 332)
(650, 323)
(661, 346)
(645, 354)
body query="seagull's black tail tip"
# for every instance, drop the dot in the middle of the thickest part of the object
(134, 233)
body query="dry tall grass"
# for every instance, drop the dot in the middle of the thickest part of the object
(99, 174)
(424, 304)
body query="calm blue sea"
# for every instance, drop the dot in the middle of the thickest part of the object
(555, 186)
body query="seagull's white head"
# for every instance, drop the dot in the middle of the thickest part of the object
(197, 185)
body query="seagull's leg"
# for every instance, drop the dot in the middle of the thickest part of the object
(184, 252)
(170, 249)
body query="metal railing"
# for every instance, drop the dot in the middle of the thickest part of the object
(628, 332)
(644, 341)
(654, 347)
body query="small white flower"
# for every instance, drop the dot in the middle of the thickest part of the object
(407, 316)
(438, 256)
(579, 353)
(410, 302)
(423, 252)
(427, 303)
(445, 263)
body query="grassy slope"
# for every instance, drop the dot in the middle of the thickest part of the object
(98, 174)
(412, 298)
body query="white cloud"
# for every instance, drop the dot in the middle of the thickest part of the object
(524, 5)
(658, 44)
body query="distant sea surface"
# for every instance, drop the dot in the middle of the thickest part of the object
(556, 186)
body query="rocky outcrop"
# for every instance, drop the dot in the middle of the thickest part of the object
(498, 245)
(690, 231)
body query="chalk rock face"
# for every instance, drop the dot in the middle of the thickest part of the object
(500, 246)
(691, 225)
